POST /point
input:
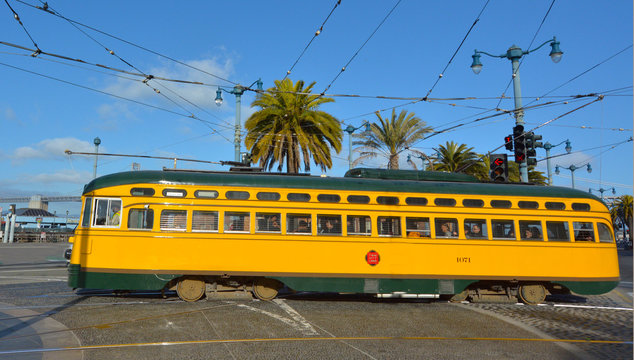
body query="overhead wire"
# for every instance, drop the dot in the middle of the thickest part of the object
(359, 50)
(457, 49)
(588, 70)
(529, 46)
(48, 10)
(321, 28)
(113, 95)
(17, 18)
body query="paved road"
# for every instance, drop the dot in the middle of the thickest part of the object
(312, 326)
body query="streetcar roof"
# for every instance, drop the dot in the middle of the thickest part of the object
(277, 180)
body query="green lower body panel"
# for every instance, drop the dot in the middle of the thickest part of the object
(375, 286)
(116, 281)
(589, 287)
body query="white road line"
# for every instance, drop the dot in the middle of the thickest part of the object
(307, 328)
(291, 322)
(34, 270)
(593, 307)
(40, 278)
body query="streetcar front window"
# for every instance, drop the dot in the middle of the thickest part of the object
(85, 220)
(107, 212)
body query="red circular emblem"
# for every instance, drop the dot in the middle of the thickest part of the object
(372, 257)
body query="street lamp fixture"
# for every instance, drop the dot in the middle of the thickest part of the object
(350, 129)
(547, 147)
(602, 190)
(572, 169)
(237, 90)
(514, 53)
(97, 141)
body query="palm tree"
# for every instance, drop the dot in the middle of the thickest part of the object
(389, 137)
(460, 158)
(534, 176)
(289, 128)
(622, 208)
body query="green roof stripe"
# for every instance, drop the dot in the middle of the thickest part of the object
(272, 180)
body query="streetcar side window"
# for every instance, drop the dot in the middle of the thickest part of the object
(107, 212)
(359, 225)
(446, 228)
(605, 235)
(268, 222)
(417, 227)
(329, 198)
(358, 199)
(387, 200)
(174, 220)
(298, 224)
(388, 225)
(531, 230)
(205, 221)
(584, 231)
(476, 229)
(501, 204)
(140, 219)
(503, 229)
(85, 220)
(237, 221)
(557, 231)
(329, 224)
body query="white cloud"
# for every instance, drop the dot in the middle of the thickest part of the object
(64, 176)
(202, 96)
(9, 114)
(51, 149)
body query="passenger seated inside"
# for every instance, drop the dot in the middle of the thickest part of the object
(445, 230)
(476, 231)
(584, 235)
(531, 233)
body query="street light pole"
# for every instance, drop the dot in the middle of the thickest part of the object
(237, 90)
(97, 141)
(549, 146)
(572, 169)
(514, 53)
(602, 190)
(350, 129)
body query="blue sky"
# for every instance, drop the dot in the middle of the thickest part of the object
(242, 41)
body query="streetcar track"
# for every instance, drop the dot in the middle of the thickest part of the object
(313, 339)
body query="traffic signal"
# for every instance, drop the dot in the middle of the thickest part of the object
(499, 167)
(518, 144)
(508, 142)
(532, 143)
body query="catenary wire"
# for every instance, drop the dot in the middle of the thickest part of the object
(359, 50)
(48, 11)
(321, 28)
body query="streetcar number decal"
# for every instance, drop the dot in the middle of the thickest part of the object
(372, 257)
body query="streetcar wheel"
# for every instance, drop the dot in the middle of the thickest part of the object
(190, 288)
(460, 296)
(532, 294)
(265, 289)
